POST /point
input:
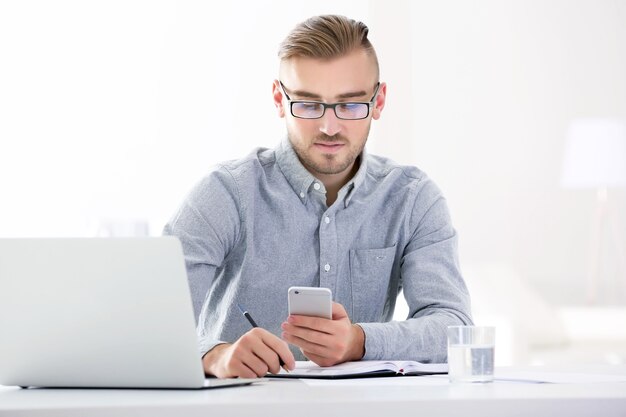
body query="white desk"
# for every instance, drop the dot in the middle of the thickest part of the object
(380, 397)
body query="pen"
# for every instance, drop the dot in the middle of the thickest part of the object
(253, 324)
(247, 315)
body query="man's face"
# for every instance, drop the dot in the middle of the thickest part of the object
(329, 146)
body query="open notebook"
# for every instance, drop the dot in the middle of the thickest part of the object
(363, 369)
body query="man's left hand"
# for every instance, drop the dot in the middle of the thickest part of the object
(323, 341)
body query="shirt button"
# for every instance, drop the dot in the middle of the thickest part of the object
(326, 267)
(327, 219)
(317, 186)
(301, 195)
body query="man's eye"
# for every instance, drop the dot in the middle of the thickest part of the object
(348, 106)
(309, 106)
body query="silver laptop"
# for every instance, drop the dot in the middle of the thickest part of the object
(98, 312)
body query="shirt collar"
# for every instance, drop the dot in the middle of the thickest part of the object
(296, 174)
(353, 185)
(301, 180)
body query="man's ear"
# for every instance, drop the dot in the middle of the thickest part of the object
(277, 94)
(379, 104)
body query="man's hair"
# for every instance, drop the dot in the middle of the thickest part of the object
(327, 37)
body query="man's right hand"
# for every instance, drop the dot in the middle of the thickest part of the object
(254, 355)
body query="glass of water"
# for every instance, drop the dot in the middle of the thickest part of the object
(471, 353)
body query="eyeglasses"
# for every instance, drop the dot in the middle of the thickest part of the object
(315, 109)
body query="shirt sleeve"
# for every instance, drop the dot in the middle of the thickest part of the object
(208, 225)
(432, 284)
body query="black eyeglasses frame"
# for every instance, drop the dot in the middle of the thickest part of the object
(329, 105)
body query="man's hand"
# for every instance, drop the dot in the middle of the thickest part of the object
(255, 354)
(326, 342)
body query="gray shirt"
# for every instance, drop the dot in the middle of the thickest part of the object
(256, 226)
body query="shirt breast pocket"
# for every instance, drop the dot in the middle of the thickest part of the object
(370, 274)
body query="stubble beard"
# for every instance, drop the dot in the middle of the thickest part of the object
(332, 163)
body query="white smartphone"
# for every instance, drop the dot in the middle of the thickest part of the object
(310, 301)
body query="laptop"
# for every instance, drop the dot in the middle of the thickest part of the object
(100, 313)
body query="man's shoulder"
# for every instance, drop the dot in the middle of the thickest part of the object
(232, 174)
(381, 167)
(243, 170)
(390, 175)
(256, 159)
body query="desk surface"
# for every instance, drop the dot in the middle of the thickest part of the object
(378, 397)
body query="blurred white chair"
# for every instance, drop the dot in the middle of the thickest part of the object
(530, 331)
(120, 227)
(523, 320)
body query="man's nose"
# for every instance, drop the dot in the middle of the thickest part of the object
(329, 123)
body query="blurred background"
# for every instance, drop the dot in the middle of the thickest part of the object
(111, 111)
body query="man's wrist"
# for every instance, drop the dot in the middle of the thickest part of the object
(211, 358)
(358, 345)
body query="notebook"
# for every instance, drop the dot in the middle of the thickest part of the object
(98, 312)
(363, 369)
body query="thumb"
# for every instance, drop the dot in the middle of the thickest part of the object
(339, 312)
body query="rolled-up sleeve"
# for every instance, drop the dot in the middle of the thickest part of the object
(432, 284)
(208, 225)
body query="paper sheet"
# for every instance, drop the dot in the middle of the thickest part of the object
(556, 377)
(501, 377)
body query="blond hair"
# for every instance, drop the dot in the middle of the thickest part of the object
(327, 37)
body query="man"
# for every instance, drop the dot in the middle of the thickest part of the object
(319, 211)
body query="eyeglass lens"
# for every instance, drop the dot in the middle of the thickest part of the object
(342, 110)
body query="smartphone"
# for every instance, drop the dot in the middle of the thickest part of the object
(310, 301)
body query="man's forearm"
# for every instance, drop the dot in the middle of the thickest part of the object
(422, 338)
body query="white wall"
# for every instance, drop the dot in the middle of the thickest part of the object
(496, 84)
(113, 110)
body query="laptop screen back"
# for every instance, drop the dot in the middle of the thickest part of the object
(95, 312)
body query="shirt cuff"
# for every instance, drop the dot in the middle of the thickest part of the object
(205, 345)
(374, 341)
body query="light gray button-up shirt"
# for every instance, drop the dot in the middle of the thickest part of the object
(254, 227)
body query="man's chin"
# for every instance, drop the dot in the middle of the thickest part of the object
(330, 169)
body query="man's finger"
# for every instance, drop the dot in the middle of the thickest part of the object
(305, 333)
(315, 323)
(248, 358)
(269, 357)
(319, 360)
(306, 345)
(280, 348)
